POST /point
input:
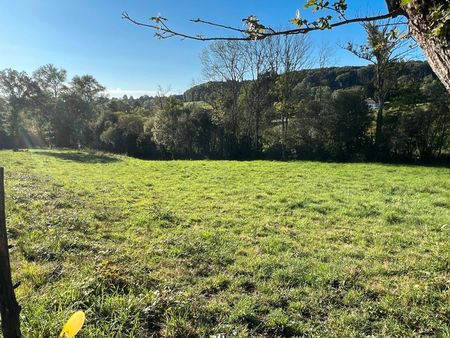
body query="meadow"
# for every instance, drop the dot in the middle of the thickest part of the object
(226, 248)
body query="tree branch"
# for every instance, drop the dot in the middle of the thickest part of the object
(219, 25)
(163, 31)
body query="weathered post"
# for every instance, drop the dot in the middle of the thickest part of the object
(9, 308)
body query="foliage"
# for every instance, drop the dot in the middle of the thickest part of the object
(421, 121)
(438, 12)
(283, 112)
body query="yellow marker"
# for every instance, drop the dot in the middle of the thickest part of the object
(73, 325)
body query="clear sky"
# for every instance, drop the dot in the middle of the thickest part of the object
(89, 37)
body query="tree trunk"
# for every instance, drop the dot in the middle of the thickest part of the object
(379, 125)
(421, 28)
(283, 139)
(9, 308)
(257, 132)
(381, 94)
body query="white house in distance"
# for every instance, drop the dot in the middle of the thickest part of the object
(372, 104)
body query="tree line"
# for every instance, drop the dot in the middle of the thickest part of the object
(262, 102)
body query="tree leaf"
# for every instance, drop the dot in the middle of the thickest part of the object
(73, 325)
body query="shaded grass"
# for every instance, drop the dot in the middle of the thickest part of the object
(248, 249)
(83, 157)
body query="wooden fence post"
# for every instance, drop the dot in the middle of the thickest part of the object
(9, 308)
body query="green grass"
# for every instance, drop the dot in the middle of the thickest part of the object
(247, 249)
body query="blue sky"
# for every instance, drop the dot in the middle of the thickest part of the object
(89, 37)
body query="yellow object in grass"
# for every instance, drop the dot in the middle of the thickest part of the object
(73, 325)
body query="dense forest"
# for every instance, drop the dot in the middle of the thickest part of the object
(322, 114)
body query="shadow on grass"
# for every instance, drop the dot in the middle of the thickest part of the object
(80, 157)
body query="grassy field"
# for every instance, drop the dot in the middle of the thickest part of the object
(245, 249)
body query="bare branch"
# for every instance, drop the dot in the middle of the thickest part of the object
(163, 31)
(219, 25)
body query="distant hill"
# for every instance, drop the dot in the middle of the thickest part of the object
(334, 77)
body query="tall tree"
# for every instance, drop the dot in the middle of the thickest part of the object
(225, 61)
(168, 129)
(349, 123)
(384, 49)
(51, 82)
(51, 79)
(255, 91)
(287, 54)
(19, 90)
(80, 109)
(86, 87)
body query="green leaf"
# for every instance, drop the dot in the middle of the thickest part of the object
(310, 3)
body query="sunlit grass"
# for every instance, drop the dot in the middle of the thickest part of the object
(248, 249)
